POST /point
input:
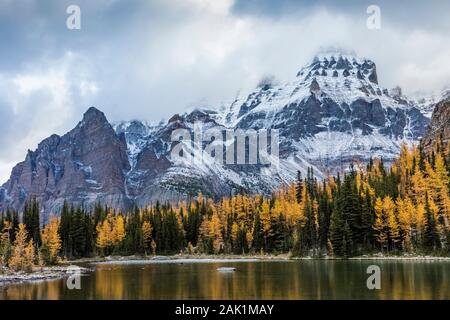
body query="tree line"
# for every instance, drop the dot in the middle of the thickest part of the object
(369, 209)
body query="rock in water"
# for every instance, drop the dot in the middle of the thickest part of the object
(226, 269)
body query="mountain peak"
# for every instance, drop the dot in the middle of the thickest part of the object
(338, 64)
(93, 114)
(93, 111)
(335, 54)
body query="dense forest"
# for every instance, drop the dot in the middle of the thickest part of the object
(370, 209)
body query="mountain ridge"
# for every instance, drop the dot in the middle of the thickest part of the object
(334, 112)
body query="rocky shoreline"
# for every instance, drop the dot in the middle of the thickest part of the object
(247, 257)
(39, 274)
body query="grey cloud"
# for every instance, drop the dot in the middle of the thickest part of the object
(408, 14)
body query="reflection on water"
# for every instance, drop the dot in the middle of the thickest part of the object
(309, 279)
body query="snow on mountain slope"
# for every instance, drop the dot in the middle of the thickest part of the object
(427, 102)
(334, 109)
(342, 78)
(136, 134)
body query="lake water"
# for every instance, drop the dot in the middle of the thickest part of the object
(304, 279)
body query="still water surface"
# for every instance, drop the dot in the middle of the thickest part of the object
(305, 279)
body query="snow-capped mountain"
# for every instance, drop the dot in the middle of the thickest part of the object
(332, 113)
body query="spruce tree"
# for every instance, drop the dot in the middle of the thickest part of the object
(299, 186)
(351, 209)
(337, 236)
(324, 212)
(64, 229)
(133, 238)
(367, 219)
(430, 232)
(258, 233)
(77, 233)
(282, 239)
(32, 221)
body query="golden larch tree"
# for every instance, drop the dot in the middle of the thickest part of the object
(147, 235)
(51, 240)
(22, 258)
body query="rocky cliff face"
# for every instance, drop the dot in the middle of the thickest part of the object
(86, 165)
(439, 128)
(332, 113)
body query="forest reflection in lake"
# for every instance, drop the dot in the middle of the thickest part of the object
(299, 279)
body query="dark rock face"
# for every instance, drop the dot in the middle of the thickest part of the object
(305, 119)
(86, 165)
(439, 128)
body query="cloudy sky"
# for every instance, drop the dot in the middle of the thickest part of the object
(149, 59)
